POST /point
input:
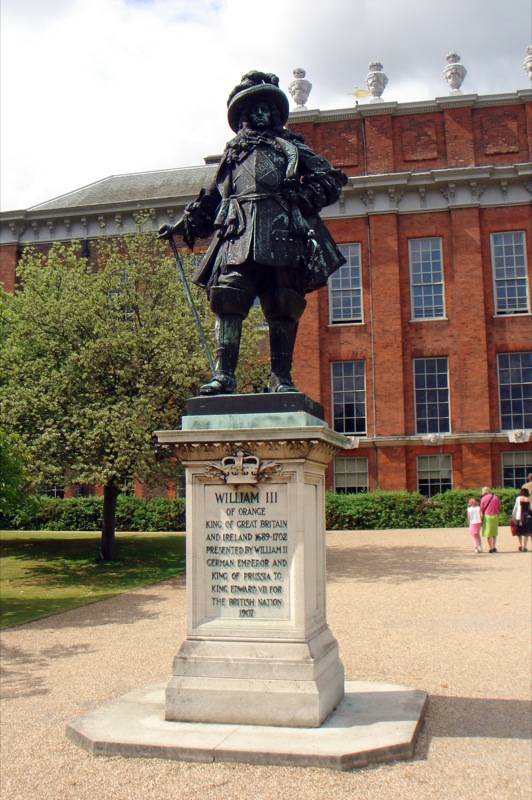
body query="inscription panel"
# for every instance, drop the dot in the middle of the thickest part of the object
(248, 547)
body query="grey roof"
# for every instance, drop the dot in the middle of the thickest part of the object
(135, 187)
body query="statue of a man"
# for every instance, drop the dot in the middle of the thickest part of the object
(269, 241)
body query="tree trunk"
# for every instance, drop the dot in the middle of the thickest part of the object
(110, 493)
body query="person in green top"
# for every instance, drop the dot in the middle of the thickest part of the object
(490, 507)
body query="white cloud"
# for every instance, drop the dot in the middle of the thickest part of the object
(112, 86)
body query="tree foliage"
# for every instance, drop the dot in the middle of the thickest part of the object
(96, 356)
(12, 476)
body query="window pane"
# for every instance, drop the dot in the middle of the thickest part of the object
(515, 390)
(431, 389)
(350, 475)
(345, 288)
(349, 397)
(516, 467)
(426, 278)
(434, 474)
(509, 273)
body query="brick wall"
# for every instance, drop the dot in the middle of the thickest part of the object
(470, 335)
(8, 265)
(453, 137)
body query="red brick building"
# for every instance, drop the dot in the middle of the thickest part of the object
(420, 348)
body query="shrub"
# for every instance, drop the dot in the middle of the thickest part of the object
(85, 514)
(157, 514)
(74, 514)
(451, 507)
(374, 511)
(378, 510)
(398, 510)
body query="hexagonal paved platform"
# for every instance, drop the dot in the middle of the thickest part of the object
(374, 723)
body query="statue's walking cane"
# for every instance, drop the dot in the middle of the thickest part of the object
(183, 279)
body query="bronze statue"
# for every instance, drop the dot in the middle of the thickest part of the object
(269, 241)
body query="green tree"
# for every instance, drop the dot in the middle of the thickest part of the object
(13, 480)
(98, 355)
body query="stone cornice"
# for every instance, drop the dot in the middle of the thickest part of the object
(435, 190)
(314, 443)
(420, 107)
(446, 175)
(436, 441)
(42, 227)
(365, 195)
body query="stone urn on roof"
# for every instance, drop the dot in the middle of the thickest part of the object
(376, 81)
(527, 63)
(300, 89)
(454, 72)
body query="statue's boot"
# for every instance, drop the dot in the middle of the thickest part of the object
(227, 331)
(282, 340)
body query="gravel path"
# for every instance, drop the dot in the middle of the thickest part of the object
(417, 608)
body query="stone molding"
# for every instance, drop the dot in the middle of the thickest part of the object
(314, 444)
(399, 192)
(520, 436)
(417, 107)
(434, 190)
(415, 440)
(320, 451)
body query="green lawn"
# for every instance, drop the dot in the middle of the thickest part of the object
(43, 573)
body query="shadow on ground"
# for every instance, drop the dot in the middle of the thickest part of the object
(473, 718)
(20, 668)
(136, 605)
(60, 564)
(396, 564)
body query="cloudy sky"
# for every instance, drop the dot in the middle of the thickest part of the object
(91, 88)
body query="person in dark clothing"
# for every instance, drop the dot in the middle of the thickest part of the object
(522, 514)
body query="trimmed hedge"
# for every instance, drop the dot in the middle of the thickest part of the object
(373, 511)
(368, 511)
(398, 510)
(85, 514)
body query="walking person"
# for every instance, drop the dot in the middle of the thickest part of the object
(474, 520)
(523, 517)
(529, 484)
(490, 507)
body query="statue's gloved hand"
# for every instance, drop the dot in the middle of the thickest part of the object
(297, 194)
(290, 189)
(166, 231)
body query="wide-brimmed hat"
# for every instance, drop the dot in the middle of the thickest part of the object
(263, 91)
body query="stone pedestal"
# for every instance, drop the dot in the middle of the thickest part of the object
(258, 649)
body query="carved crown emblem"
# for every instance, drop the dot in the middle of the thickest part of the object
(242, 467)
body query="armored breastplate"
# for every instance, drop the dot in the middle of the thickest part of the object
(262, 171)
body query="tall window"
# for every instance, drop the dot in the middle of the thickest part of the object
(426, 278)
(54, 491)
(180, 483)
(345, 288)
(434, 474)
(431, 388)
(349, 397)
(128, 485)
(515, 390)
(508, 259)
(516, 467)
(119, 300)
(350, 475)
